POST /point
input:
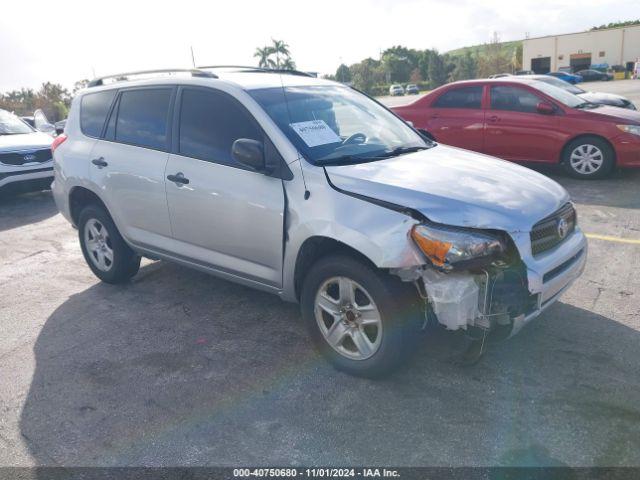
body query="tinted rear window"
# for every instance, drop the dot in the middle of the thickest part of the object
(142, 118)
(464, 97)
(94, 108)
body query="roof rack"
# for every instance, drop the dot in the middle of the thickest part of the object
(252, 69)
(125, 76)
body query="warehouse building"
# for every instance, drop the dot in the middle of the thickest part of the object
(578, 51)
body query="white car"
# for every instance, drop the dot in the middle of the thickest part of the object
(25, 154)
(310, 190)
(396, 90)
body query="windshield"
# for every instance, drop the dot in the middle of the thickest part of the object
(562, 96)
(12, 125)
(556, 82)
(337, 125)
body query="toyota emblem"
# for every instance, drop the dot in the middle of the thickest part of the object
(563, 228)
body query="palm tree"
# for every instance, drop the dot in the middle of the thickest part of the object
(264, 55)
(280, 48)
(288, 64)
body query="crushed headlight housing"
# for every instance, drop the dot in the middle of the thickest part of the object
(448, 248)
(632, 129)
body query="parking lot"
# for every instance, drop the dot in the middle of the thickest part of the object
(180, 368)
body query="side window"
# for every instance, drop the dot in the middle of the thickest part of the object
(94, 108)
(464, 97)
(209, 124)
(513, 99)
(142, 117)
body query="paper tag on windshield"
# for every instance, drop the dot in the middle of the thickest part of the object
(315, 132)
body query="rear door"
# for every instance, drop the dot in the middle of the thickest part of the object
(223, 215)
(514, 128)
(128, 164)
(456, 117)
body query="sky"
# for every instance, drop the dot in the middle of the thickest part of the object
(65, 41)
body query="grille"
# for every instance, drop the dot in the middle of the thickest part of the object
(27, 156)
(545, 235)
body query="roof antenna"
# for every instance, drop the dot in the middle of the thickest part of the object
(193, 58)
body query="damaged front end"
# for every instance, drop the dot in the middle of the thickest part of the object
(474, 280)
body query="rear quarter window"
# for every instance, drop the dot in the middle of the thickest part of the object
(462, 97)
(94, 108)
(142, 117)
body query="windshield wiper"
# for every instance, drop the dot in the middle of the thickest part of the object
(400, 151)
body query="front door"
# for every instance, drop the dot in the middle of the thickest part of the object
(223, 215)
(514, 128)
(128, 165)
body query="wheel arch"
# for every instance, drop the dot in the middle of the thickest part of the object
(317, 247)
(80, 197)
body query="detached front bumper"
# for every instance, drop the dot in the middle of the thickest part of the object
(509, 297)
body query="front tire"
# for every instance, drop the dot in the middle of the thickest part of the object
(361, 319)
(104, 249)
(588, 158)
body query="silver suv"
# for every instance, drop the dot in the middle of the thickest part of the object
(313, 191)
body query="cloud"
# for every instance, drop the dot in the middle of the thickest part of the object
(68, 41)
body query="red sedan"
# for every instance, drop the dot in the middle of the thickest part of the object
(529, 121)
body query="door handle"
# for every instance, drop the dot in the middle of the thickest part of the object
(178, 179)
(494, 119)
(99, 162)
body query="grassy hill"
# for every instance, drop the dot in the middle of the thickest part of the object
(508, 47)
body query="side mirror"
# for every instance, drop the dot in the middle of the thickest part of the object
(249, 153)
(46, 128)
(545, 108)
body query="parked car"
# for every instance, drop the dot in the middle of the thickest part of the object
(310, 190)
(25, 154)
(412, 89)
(567, 77)
(592, 97)
(521, 120)
(40, 122)
(500, 75)
(525, 72)
(396, 90)
(594, 75)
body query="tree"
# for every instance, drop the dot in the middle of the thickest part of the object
(80, 85)
(288, 64)
(438, 69)
(415, 76)
(465, 67)
(495, 59)
(263, 55)
(52, 98)
(280, 48)
(366, 74)
(399, 62)
(343, 74)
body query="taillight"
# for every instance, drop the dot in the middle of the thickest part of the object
(59, 140)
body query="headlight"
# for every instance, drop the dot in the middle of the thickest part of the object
(448, 247)
(632, 129)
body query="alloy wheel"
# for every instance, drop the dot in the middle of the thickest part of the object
(98, 244)
(348, 318)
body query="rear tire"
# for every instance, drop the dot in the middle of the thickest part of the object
(362, 320)
(588, 158)
(104, 249)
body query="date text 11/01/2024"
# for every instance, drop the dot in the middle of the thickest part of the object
(316, 472)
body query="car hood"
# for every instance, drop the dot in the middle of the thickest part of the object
(605, 98)
(25, 141)
(456, 187)
(617, 113)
